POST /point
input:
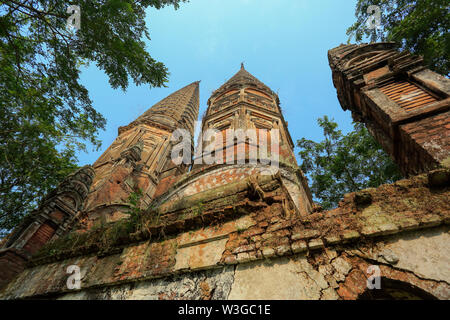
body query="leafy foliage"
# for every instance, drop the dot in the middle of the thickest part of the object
(46, 114)
(344, 163)
(134, 210)
(420, 26)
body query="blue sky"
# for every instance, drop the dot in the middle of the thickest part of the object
(283, 43)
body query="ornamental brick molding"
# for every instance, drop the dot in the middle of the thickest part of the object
(55, 217)
(232, 231)
(403, 104)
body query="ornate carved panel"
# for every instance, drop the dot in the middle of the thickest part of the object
(407, 94)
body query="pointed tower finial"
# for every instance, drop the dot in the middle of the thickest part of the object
(242, 66)
(178, 102)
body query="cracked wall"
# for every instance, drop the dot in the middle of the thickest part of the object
(206, 285)
(270, 252)
(419, 259)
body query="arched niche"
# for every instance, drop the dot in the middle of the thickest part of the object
(226, 94)
(360, 58)
(392, 289)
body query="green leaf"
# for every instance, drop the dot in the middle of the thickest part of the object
(344, 163)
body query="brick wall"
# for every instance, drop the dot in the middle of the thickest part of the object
(11, 264)
(39, 238)
(404, 105)
(164, 184)
(425, 142)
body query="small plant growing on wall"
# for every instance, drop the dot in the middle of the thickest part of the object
(134, 211)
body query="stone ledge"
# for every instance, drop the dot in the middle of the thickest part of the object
(395, 209)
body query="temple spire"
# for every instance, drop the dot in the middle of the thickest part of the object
(178, 109)
(242, 78)
(140, 157)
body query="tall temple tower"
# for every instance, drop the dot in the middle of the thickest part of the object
(244, 105)
(404, 105)
(140, 157)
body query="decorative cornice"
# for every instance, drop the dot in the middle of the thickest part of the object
(241, 79)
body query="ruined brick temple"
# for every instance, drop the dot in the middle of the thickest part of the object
(237, 231)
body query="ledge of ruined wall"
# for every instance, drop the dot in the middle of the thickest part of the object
(357, 231)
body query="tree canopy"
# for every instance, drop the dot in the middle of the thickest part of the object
(46, 114)
(420, 26)
(344, 163)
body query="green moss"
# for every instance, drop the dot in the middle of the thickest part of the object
(198, 209)
(107, 238)
(221, 194)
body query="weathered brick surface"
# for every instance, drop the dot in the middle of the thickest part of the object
(164, 185)
(137, 159)
(11, 264)
(355, 283)
(39, 238)
(405, 206)
(425, 141)
(405, 106)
